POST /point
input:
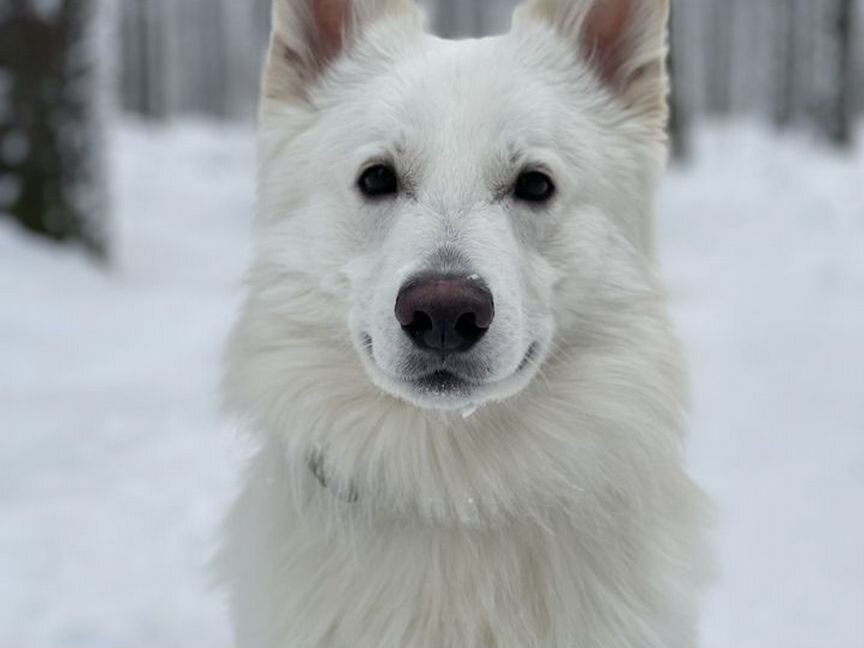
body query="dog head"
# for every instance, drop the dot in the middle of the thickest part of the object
(457, 210)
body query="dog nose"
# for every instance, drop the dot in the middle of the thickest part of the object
(445, 314)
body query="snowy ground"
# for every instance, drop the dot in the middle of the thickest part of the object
(114, 465)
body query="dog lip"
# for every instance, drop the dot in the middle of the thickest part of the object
(443, 372)
(529, 356)
(442, 381)
(368, 345)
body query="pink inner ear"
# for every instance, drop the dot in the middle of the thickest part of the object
(606, 36)
(331, 18)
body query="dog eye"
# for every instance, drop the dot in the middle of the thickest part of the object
(379, 180)
(534, 186)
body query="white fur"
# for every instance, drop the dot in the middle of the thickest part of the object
(558, 514)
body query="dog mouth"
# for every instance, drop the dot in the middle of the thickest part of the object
(441, 382)
(451, 382)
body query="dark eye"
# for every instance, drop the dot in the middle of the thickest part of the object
(379, 180)
(534, 186)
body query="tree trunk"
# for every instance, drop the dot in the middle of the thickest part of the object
(785, 57)
(719, 68)
(838, 119)
(679, 116)
(50, 167)
(448, 18)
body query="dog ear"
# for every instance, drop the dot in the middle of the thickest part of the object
(308, 35)
(624, 41)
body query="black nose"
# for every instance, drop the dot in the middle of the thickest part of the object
(445, 314)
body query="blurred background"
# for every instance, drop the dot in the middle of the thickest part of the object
(126, 197)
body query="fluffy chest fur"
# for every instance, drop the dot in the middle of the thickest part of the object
(604, 571)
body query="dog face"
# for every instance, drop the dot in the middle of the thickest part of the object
(458, 211)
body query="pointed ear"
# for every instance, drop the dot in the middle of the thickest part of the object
(308, 35)
(624, 41)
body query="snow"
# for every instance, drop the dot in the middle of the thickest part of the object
(764, 246)
(115, 465)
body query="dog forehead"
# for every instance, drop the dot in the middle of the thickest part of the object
(460, 92)
(473, 84)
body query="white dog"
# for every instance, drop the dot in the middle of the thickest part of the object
(456, 348)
